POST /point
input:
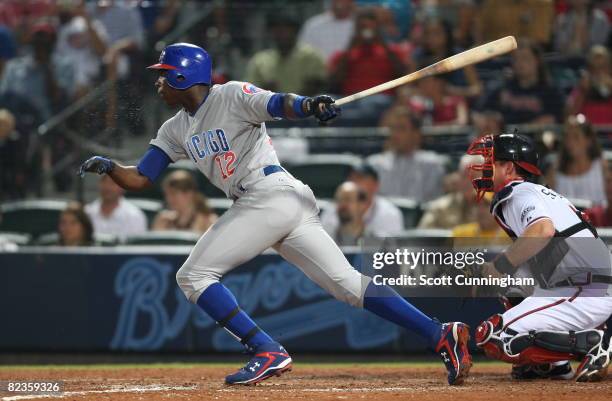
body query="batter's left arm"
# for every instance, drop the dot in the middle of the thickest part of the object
(292, 106)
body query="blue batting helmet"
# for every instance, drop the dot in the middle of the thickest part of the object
(186, 65)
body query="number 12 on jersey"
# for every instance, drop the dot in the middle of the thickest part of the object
(226, 161)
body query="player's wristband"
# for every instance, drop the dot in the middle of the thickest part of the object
(298, 107)
(503, 265)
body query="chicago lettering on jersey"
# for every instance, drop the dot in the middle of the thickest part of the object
(207, 143)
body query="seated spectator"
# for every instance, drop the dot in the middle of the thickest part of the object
(75, 228)
(188, 210)
(12, 161)
(528, 97)
(437, 44)
(434, 103)
(288, 66)
(601, 215)
(461, 15)
(579, 170)
(41, 77)
(126, 38)
(404, 168)
(112, 214)
(457, 207)
(532, 19)
(381, 217)
(488, 123)
(580, 28)
(82, 41)
(593, 94)
(368, 60)
(123, 24)
(485, 226)
(395, 16)
(336, 23)
(21, 15)
(350, 209)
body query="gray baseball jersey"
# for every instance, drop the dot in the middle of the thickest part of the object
(226, 137)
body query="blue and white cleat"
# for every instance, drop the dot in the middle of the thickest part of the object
(269, 360)
(453, 348)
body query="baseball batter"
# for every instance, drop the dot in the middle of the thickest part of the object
(557, 246)
(221, 129)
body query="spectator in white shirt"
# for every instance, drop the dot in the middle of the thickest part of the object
(345, 223)
(404, 169)
(113, 214)
(83, 41)
(381, 217)
(331, 31)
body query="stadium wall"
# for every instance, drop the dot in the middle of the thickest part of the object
(126, 299)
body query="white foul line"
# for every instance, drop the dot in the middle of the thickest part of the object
(123, 389)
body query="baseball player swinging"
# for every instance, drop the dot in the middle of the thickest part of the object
(221, 128)
(554, 243)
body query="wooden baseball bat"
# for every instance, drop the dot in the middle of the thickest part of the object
(452, 63)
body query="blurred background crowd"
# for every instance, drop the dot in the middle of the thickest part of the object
(73, 83)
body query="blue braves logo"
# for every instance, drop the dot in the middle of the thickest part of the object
(207, 143)
(146, 323)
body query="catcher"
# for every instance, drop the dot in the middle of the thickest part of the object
(558, 247)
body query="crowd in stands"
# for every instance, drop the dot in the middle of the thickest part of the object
(56, 52)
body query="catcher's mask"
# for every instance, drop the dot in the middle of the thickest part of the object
(516, 148)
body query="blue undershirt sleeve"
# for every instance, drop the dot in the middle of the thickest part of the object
(276, 105)
(153, 163)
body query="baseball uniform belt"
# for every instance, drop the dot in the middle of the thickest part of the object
(272, 169)
(593, 278)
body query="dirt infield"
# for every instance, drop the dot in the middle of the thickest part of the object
(306, 382)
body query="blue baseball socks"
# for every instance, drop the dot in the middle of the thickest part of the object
(383, 301)
(388, 304)
(221, 305)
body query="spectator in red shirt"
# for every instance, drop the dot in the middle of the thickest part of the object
(434, 103)
(438, 43)
(601, 216)
(593, 94)
(368, 61)
(528, 97)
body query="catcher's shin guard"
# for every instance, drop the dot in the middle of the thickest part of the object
(534, 347)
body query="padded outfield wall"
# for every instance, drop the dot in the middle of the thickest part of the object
(126, 299)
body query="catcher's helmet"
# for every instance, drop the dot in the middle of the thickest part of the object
(186, 65)
(516, 148)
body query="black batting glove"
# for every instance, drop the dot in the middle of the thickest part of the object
(322, 107)
(96, 164)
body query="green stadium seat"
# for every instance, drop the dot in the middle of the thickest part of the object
(33, 217)
(52, 239)
(150, 207)
(163, 238)
(323, 173)
(220, 205)
(411, 210)
(15, 238)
